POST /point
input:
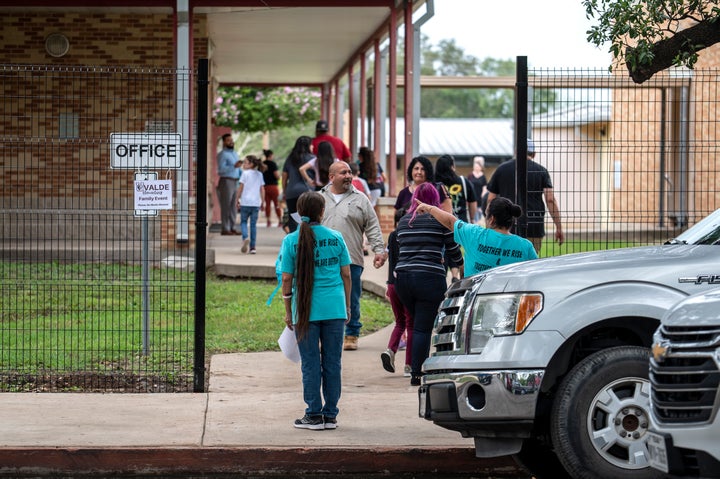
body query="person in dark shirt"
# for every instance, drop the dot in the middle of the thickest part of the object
(539, 184)
(479, 182)
(292, 181)
(462, 193)
(271, 175)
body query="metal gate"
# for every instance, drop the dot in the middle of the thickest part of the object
(98, 284)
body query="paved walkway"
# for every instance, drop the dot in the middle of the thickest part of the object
(243, 424)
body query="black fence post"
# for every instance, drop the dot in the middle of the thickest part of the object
(201, 225)
(521, 129)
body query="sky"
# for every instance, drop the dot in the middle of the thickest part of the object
(551, 33)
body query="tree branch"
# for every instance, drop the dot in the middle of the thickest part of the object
(693, 39)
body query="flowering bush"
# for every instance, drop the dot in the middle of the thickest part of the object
(249, 109)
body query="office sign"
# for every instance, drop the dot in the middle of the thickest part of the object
(133, 151)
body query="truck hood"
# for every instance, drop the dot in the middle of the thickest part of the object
(697, 310)
(668, 264)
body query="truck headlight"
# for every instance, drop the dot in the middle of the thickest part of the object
(501, 315)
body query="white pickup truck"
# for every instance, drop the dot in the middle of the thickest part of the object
(685, 385)
(547, 360)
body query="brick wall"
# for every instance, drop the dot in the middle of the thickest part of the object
(44, 169)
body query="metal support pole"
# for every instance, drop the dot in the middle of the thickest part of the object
(521, 135)
(201, 225)
(391, 168)
(663, 167)
(145, 273)
(183, 89)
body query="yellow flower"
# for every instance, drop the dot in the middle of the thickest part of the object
(455, 190)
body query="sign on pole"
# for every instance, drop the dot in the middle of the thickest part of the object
(151, 194)
(132, 151)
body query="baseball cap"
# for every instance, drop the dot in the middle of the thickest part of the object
(531, 146)
(322, 125)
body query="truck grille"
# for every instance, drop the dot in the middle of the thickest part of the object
(685, 381)
(447, 335)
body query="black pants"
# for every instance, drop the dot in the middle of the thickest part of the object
(421, 293)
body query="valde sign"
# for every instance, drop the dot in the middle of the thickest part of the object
(153, 194)
(132, 151)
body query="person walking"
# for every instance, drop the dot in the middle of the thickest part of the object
(490, 246)
(420, 170)
(403, 319)
(479, 182)
(350, 212)
(315, 266)
(250, 200)
(321, 134)
(462, 194)
(359, 183)
(228, 170)
(420, 273)
(462, 198)
(539, 185)
(293, 184)
(320, 166)
(271, 176)
(369, 171)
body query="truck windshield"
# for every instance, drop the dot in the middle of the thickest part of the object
(706, 232)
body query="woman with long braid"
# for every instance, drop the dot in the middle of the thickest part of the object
(315, 265)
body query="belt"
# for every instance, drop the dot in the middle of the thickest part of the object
(228, 178)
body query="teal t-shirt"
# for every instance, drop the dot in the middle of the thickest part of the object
(331, 253)
(486, 248)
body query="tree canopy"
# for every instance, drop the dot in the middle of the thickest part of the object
(259, 109)
(448, 59)
(652, 35)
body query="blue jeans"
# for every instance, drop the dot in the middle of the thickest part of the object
(353, 327)
(251, 213)
(321, 355)
(421, 293)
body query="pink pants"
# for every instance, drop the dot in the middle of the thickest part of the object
(403, 321)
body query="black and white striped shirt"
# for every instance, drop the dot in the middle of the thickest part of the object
(422, 245)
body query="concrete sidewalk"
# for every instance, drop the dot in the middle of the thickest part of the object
(243, 424)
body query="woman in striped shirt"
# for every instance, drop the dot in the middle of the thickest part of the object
(421, 280)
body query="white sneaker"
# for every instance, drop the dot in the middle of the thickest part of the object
(388, 360)
(245, 246)
(408, 371)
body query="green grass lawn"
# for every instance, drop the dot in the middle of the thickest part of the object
(57, 317)
(238, 319)
(75, 317)
(551, 248)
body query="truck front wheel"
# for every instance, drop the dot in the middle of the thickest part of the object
(600, 416)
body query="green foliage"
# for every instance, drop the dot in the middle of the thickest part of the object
(252, 109)
(448, 59)
(634, 27)
(282, 140)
